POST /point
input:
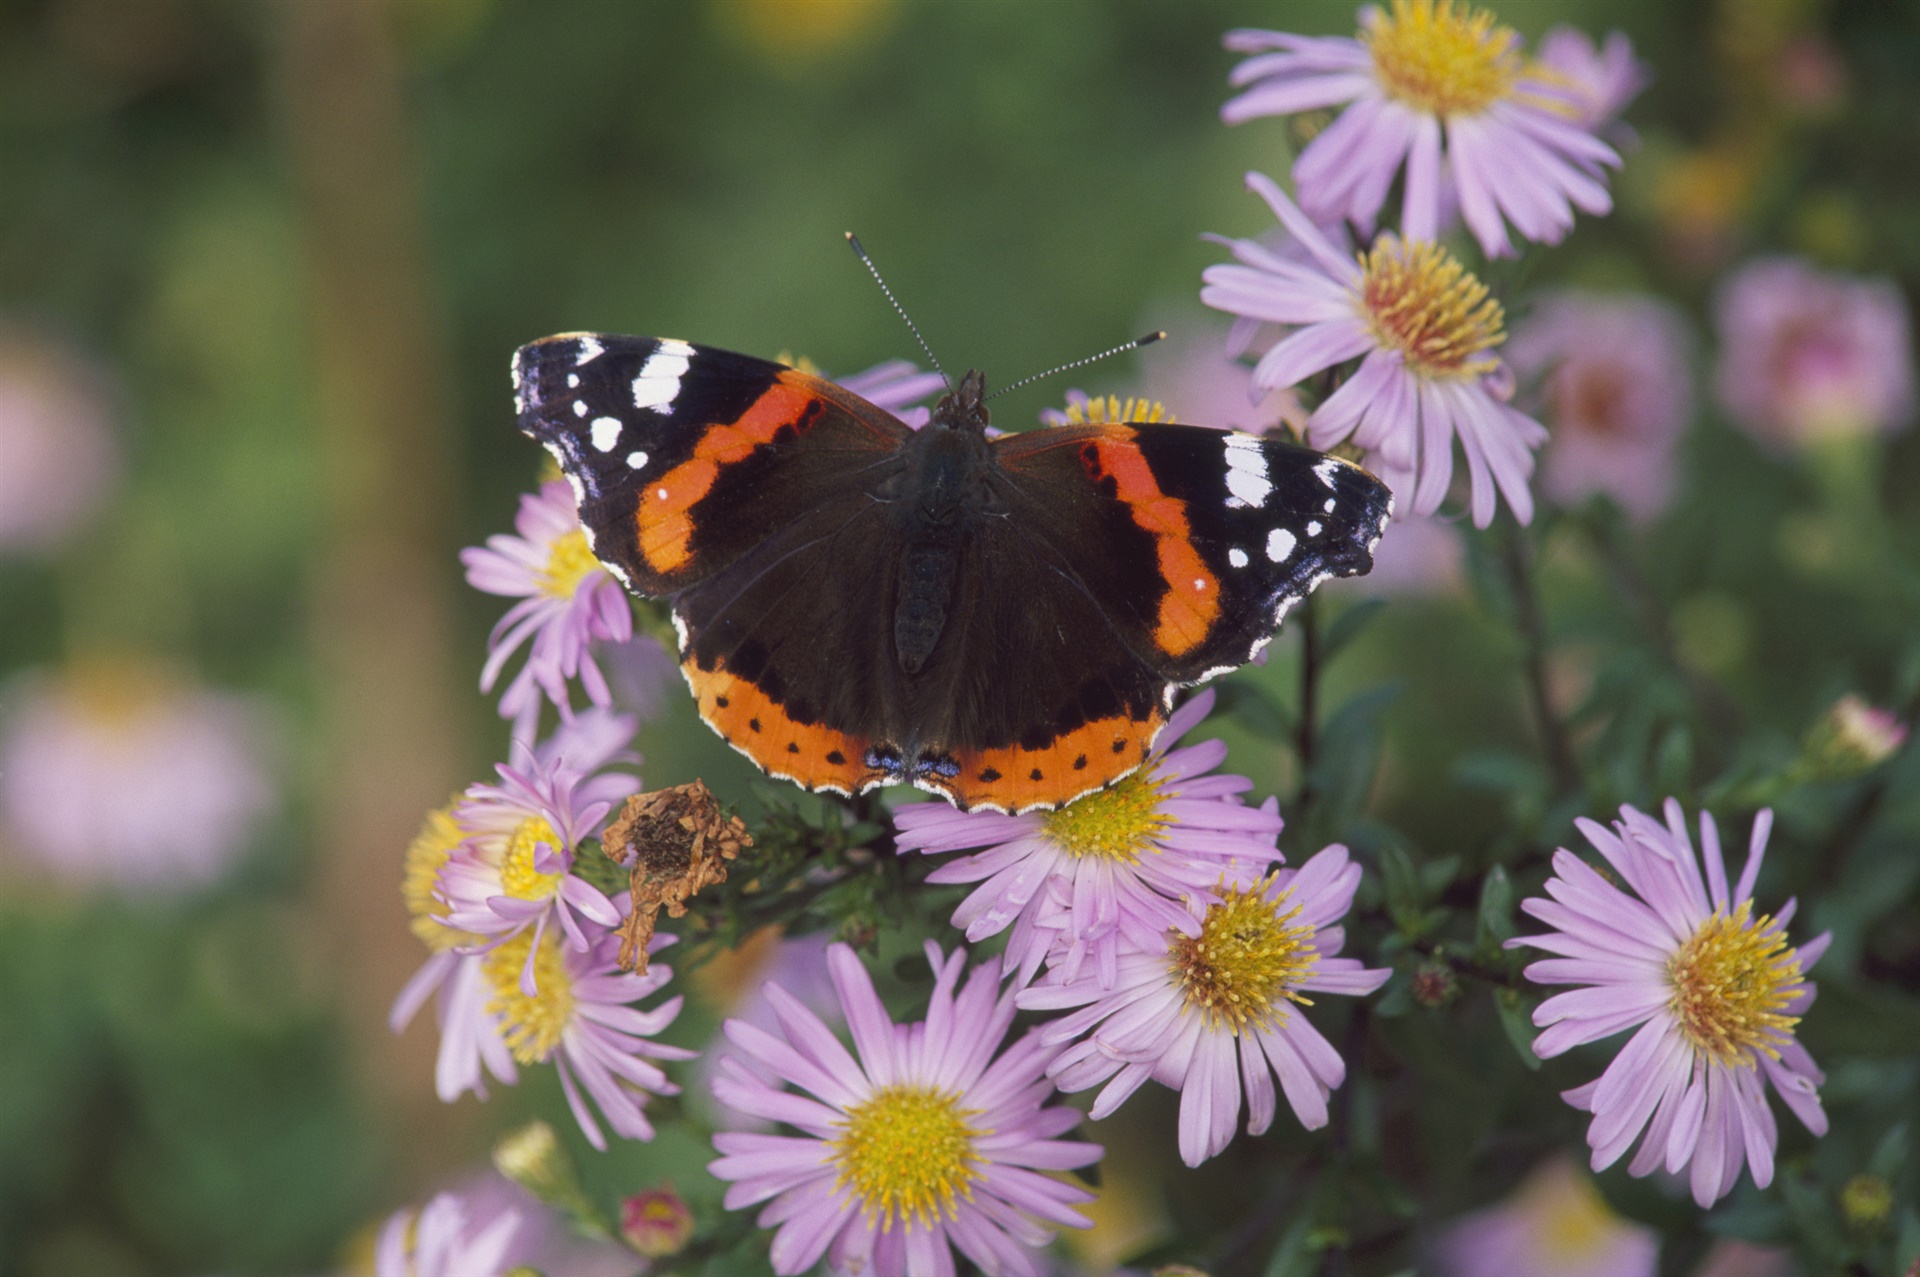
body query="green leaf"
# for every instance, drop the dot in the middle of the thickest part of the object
(1496, 909)
(1348, 627)
(1516, 1019)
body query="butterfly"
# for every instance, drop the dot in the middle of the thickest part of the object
(1001, 621)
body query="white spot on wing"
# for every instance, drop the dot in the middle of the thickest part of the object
(590, 350)
(1313, 528)
(1328, 505)
(1327, 469)
(606, 433)
(659, 381)
(1280, 543)
(579, 407)
(1246, 489)
(661, 493)
(636, 461)
(1247, 482)
(573, 381)
(1237, 557)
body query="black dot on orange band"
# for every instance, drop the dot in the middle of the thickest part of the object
(835, 757)
(989, 775)
(1119, 747)
(1080, 763)
(754, 723)
(720, 701)
(1034, 774)
(793, 747)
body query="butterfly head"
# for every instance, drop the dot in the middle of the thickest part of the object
(964, 407)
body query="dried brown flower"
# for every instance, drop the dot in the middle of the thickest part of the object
(672, 842)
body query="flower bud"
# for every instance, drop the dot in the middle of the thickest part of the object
(1434, 984)
(1866, 1201)
(533, 1158)
(1853, 737)
(657, 1222)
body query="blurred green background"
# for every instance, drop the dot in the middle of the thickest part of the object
(300, 238)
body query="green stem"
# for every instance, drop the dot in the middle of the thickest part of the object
(1306, 732)
(1517, 553)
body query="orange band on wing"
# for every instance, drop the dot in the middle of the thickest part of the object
(1074, 763)
(1192, 602)
(809, 754)
(665, 524)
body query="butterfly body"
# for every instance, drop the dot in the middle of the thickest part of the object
(1002, 621)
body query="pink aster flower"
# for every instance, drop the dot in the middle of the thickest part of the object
(1807, 355)
(568, 600)
(1107, 872)
(1618, 394)
(924, 1144)
(120, 772)
(445, 1238)
(514, 867)
(1604, 78)
(58, 454)
(1555, 1224)
(1437, 89)
(1423, 329)
(488, 1226)
(1207, 1011)
(1713, 991)
(579, 1017)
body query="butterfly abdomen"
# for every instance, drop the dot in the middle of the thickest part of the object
(920, 615)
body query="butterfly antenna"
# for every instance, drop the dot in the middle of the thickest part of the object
(1135, 344)
(861, 253)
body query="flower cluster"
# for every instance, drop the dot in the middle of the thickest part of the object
(1155, 904)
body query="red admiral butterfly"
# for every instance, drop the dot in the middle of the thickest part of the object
(1000, 621)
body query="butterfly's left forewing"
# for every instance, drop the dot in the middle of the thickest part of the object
(686, 458)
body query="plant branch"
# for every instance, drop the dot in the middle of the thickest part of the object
(1516, 551)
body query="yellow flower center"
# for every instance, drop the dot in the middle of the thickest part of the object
(1112, 408)
(1731, 981)
(908, 1154)
(518, 874)
(530, 1026)
(1419, 300)
(1442, 58)
(568, 562)
(426, 855)
(1248, 960)
(1115, 823)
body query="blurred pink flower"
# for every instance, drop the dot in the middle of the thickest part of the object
(1438, 90)
(487, 1227)
(117, 772)
(1415, 557)
(898, 386)
(1730, 1258)
(1555, 1224)
(742, 982)
(58, 453)
(1808, 355)
(1604, 78)
(1617, 393)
